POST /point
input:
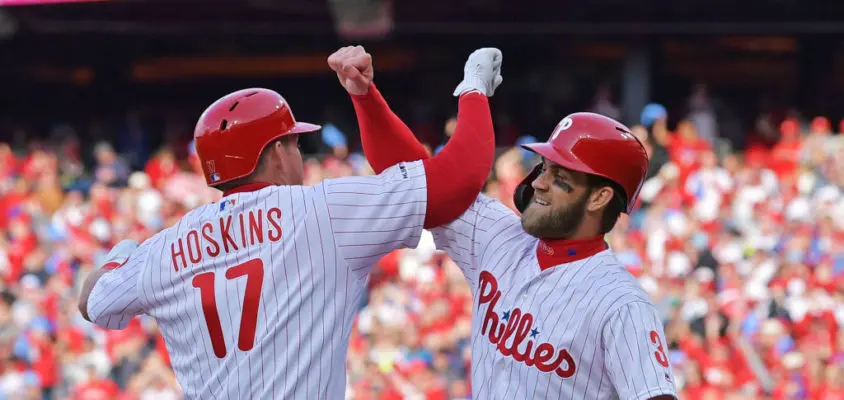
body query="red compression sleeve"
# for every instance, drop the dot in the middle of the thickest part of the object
(385, 138)
(457, 174)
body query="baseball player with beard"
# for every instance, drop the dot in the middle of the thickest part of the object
(255, 294)
(555, 314)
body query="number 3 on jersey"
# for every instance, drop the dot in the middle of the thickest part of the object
(659, 354)
(254, 271)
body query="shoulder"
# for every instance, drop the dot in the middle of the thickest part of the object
(491, 214)
(613, 287)
(392, 176)
(192, 220)
(486, 221)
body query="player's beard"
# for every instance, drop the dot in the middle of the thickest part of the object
(559, 223)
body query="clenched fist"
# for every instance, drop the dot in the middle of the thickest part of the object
(482, 72)
(353, 66)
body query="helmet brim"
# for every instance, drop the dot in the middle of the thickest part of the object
(304, 127)
(563, 159)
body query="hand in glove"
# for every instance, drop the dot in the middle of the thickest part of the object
(481, 73)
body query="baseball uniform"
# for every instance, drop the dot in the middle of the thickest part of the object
(553, 320)
(255, 294)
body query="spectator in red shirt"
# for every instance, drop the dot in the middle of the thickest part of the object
(95, 388)
(686, 148)
(44, 359)
(22, 241)
(786, 153)
(8, 163)
(161, 167)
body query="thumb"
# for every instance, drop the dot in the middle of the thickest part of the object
(495, 82)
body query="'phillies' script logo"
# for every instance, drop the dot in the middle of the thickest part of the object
(516, 326)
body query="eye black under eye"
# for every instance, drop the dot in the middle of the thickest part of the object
(559, 182)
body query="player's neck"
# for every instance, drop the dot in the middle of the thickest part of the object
(259, 182)
(552, 252)
(247, 187)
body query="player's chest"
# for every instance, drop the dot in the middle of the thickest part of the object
(537, 323)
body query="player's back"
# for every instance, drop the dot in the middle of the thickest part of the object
(251, 297)
(255, 294)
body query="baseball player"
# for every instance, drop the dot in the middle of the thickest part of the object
(255, 294)
(556, 316)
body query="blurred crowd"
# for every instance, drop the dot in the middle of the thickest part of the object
(741, 250)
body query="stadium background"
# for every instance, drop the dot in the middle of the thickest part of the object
(739, 237)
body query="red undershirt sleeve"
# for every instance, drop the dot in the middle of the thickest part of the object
(385, 138)
(456, 175)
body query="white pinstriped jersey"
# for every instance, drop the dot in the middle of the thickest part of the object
(581, 330)
(255, 294)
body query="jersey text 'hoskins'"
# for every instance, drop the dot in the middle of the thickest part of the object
(250, 224)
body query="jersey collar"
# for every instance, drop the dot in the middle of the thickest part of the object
(247, 187)
(551, 252)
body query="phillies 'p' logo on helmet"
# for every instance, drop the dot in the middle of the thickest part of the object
(564, 124)
(593, 144)
(233, 131)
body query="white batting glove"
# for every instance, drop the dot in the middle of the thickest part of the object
(119, 254)
(482, 72)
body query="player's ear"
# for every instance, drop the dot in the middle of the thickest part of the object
(599, 198)
(288, 142)
(271, 156)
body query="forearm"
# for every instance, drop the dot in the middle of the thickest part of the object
(457, 174)
(385, 138)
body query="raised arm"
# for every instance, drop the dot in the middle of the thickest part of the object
(373, 215)
(387, 140)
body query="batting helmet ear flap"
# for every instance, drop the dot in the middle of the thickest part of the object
(524, 192)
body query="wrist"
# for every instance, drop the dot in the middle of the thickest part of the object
(472, 82)
(473, 95)
(472, 92)
(367, 93)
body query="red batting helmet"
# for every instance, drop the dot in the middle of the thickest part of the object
(233, 131)
(593, 144)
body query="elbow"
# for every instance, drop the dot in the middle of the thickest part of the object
(87, 287)
(83, 308)
(453, 187)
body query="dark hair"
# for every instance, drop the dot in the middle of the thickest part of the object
(615, 207)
